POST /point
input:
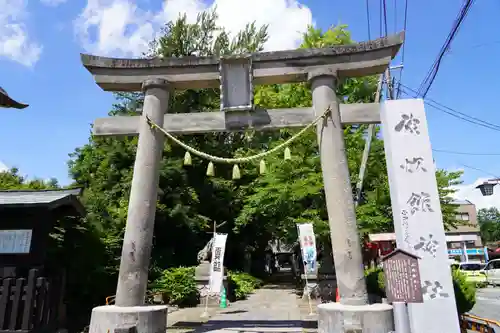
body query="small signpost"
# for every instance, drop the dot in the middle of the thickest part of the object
(402, 277)
(402, 285)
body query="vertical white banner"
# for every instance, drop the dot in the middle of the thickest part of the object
(217, 264)
(307, 241)
(416, 211)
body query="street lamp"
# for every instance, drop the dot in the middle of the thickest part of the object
(486, 188)
(7, 102)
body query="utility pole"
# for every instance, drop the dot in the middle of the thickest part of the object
(369, 135)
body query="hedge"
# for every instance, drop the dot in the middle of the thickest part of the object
(465, 291)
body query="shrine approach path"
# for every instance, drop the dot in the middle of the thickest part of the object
(270, 309)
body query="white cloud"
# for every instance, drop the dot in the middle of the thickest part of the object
(14, 41)
(3, 167)
(121, 28)
(52, 3)
(469, 192)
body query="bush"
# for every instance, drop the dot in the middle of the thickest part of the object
(465, 291)
(242, 284)
(375, 283)
(178, 286)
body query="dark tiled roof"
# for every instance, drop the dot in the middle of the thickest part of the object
(41, 198)
(7, 102)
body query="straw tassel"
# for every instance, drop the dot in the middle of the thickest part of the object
(262, 167)
(187, 159)
(288, 154)
(210, 170)
(236, 172)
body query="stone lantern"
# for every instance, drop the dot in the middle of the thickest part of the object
(8, 102)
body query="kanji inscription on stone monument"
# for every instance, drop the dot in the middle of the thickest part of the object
(402, 277)
(418, 221)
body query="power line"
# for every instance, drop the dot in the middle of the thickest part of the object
(395, 16)
(403, 49)
(380, 17)
(432, 73)
(385, 17)
(368, 19)
(457, 116)
(464, 153)
(480, 170)
(452, 112)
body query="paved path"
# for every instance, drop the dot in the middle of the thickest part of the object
(271, 309)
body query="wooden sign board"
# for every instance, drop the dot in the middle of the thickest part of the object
(402, 277)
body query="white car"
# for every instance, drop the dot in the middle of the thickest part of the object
(492, 271)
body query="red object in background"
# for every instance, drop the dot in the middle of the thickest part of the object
(386, 247)
(372, 246)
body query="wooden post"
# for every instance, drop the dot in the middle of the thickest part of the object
(339, 201)
(138, 238)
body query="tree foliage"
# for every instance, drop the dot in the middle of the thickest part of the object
(12, 180)
(489, 223)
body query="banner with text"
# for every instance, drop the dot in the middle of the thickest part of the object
(307, 241)
(217, 265)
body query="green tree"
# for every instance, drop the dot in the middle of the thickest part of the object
(292, 192)
(489, 223)
(188, 201)
(12, 180)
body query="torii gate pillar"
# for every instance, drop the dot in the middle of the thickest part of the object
(138, 238)
(349, 267)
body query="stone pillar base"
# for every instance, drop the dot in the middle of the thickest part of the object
(145, 319)
(340, 318)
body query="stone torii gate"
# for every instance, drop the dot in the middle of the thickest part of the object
(235, 75)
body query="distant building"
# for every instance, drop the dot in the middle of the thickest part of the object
(469, 232)
(464, 241)
(466, 237)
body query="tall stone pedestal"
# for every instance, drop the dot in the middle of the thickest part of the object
(140, 319)
(340, 318)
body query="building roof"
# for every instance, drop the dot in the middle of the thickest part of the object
(461, 202)
(51, 198)
(7, 102)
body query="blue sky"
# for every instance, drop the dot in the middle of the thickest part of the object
(41, 66)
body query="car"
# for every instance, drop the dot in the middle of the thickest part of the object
(473, 270)
(492, 272)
